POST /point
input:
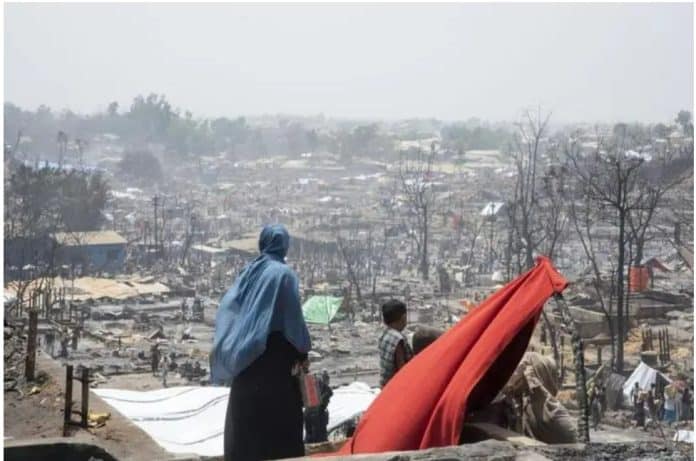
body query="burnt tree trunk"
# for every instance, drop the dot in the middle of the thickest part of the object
(579, 362)
(424, 252)
(30, 364)
(620, 296)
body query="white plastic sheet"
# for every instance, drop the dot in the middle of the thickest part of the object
(684, 436)
(349, 401)
(192, 419)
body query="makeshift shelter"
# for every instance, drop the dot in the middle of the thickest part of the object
(498, 277)
(656, 264)
(157, 333)
(321, 309)
(645, 376)
(425, 404)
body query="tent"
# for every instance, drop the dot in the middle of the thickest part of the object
(321, 309)
(424, 405)
(192, 419)
(645, 376)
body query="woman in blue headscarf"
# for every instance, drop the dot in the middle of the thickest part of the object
(260, 341)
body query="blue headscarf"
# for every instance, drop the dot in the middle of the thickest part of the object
(264, 298)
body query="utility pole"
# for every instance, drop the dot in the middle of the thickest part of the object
(160, 248)
(154, 202)
(491, 223)
(30, 361)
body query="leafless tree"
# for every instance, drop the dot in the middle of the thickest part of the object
(552, 215)
(582, 218)
(472, 228)
(416, 176)
(657, 178)
(352, 252)
(377, 250)
(62, 140)
(523, 209)
(536, 215)
(610, 177)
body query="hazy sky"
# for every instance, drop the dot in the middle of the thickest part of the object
(589, 62)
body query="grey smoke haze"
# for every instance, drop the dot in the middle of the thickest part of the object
(588, 62)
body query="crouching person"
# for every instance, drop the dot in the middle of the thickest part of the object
(424, 337)
(316, 418)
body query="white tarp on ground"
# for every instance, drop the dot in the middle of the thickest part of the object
(684, 436)
(645, 376)
(192, 419)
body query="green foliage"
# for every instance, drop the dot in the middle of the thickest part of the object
(152, 115)
(461, 137)
(684, 120)
(634, 131)
(83, 198)
(112, 110)
(141, 165)
(363, 141)
(227, 133)
(48, 200)
(661, 130)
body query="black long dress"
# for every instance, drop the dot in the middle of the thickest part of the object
(264, 413)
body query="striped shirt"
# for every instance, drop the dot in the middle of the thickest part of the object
(388, 342)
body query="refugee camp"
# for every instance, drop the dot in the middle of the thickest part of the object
(351, 231)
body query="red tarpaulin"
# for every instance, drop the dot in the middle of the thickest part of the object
(424, 404)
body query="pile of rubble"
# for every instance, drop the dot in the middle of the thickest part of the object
(15, 346)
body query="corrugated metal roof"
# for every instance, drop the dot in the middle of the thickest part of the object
(84, 288)
(89, 238)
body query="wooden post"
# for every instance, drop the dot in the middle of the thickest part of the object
(643, 340)
(85, 396)
(663, 347)
(75, 333)
(68, 399)
(30, 363)
(562, 354)
(599, 355)
(659, 345)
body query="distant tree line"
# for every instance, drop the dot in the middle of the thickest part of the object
(47, 200)
(461, 137)
(152, 120)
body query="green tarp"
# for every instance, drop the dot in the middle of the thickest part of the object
(321, 309)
